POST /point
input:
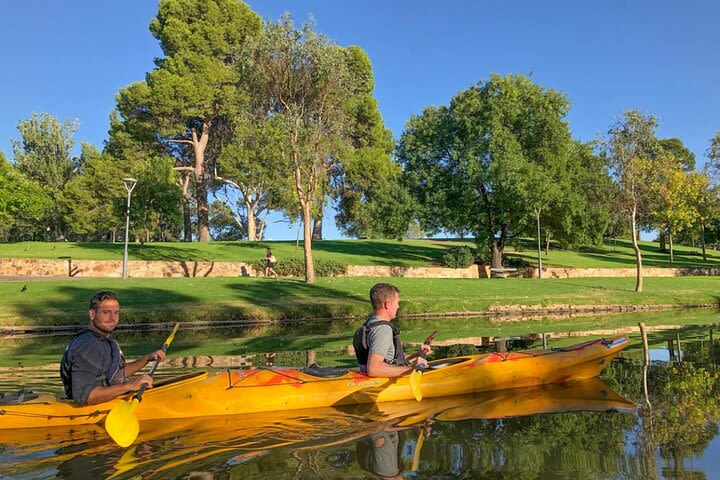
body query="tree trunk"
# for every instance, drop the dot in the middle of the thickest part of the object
(702, 240)
(495, 254)
(317, 228)
(307, 244)
(636, 247)
(671, 246)
(661, 239)
(537, 214)
(251, 225)
(547, 243)
(201, 184)
(261, 232)
(187, 221)
(203, 219)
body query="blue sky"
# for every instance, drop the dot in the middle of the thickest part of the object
(70, 58)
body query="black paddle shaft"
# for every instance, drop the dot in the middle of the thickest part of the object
(421, 352)
(140, 391)
(427, 342)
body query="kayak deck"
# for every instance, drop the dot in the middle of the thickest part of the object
(268, 389)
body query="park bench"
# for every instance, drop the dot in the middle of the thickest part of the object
(504, 272)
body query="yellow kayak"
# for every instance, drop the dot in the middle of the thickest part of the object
(272, 389)
(183, 441)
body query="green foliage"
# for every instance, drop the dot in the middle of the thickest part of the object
(457, 350)
(155, 207)
(223, 224)
(484, 163)
(24, 204)
(371, 201)
(189, 100)
(253, 171)
(295, 267)
(685, 410)
(43, 154)
(92, 196)
(512, 261)
(678, 150)
(44, 151)
(457, 257)
(304, 80)
(196, 79)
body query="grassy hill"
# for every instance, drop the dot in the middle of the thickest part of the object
(358, 252)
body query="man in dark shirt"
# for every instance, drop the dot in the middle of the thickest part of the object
(93, 367)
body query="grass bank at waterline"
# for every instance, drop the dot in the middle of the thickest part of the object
(330, 340)
(63, 302)
(406, 253)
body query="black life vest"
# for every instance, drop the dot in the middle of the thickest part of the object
(362, 350)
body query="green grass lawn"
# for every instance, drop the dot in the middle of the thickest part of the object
(350, 252)
(49, 302)
(358, 252)
(620, 254)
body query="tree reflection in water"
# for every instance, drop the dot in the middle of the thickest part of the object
(550, 432)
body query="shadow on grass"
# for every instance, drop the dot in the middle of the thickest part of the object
(153, 251)
(384, 253)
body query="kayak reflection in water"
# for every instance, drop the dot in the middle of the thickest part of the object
(381, 452)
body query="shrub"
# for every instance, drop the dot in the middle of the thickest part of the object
(295, 267)
(516, 262)
(458, 350)
(457, 257)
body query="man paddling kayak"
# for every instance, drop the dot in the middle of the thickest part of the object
(377, 343)
(93, 367)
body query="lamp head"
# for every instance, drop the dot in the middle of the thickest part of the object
(129, 183)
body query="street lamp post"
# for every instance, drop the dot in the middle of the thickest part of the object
(129, 185)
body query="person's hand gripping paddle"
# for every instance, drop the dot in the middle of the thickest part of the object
(122, 423)
(416, 375)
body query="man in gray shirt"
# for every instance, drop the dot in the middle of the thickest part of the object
(377, 343)
(93, 367)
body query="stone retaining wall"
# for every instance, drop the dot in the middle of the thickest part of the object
(554, 272)
(113, 268)
(167, 269)
(412, 272)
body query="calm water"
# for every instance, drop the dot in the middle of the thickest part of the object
(598, 429)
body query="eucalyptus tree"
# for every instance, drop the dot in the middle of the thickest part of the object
(478, 163)
(713, 155)
(304, 80)
(254, 177)
(91, 197)
(192, 95)
(372, 201)
(631, 147)
(157, 202)
(44, 154)
(677, 198)
(24, 203)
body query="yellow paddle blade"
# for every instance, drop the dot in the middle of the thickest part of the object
(122, 423)
(172, 335)
(414, 381)
(416, 453)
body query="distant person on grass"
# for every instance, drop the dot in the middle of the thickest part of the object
(270, 262)
(377, 343)
(93, 368)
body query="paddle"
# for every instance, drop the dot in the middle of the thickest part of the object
(424, 431)
(416, 375)
(121, 423)
(416, 453)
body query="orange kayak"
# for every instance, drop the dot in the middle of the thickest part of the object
(272, 389)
